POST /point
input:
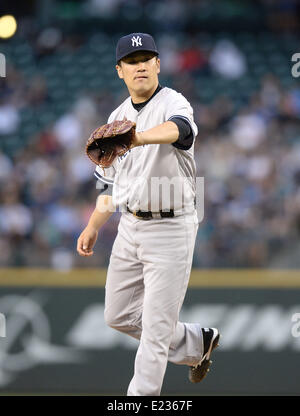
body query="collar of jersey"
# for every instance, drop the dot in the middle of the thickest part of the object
(139, 106)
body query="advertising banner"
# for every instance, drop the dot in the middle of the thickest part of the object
(53, 339)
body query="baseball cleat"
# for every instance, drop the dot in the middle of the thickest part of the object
(211, 338)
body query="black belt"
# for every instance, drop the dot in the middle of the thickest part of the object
(148, 214)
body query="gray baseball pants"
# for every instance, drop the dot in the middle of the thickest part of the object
(147, 279)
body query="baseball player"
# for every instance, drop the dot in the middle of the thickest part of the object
(151, 258)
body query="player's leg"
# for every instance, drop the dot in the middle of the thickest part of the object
(124, 299)
(124, 293)
(124, 289)
(166, 250)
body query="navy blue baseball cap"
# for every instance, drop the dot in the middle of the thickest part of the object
(135, 42)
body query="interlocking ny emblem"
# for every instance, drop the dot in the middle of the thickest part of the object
(136, 41)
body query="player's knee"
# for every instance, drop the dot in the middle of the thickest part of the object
(120, 322)
(112, 320)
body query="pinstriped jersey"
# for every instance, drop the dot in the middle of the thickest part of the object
(153, 176)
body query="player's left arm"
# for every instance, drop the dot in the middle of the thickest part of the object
(179, 128)
(166, 132)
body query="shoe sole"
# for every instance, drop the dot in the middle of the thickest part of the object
(197, 374)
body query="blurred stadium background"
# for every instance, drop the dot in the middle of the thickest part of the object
(232, 60)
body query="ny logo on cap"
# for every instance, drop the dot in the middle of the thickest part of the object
(136, 41)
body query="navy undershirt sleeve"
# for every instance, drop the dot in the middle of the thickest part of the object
(186, 137)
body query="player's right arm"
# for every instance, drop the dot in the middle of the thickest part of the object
(102, 212)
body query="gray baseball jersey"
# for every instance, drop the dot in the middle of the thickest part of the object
(138, 174)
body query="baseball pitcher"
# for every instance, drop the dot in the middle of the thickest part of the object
(145, 167)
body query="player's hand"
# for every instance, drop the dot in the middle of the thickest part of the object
(86, 241)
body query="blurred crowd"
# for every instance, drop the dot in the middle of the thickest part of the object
(251, 164)
(249, 157)
(279, 13)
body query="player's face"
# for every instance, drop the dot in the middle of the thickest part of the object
(140, 72)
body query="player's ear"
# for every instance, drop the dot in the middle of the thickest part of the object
(158, 65)
(119, 71)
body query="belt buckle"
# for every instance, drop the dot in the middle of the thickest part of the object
(134, 213)
(140, 217)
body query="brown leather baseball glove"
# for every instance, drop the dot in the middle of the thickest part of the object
(109, 141)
